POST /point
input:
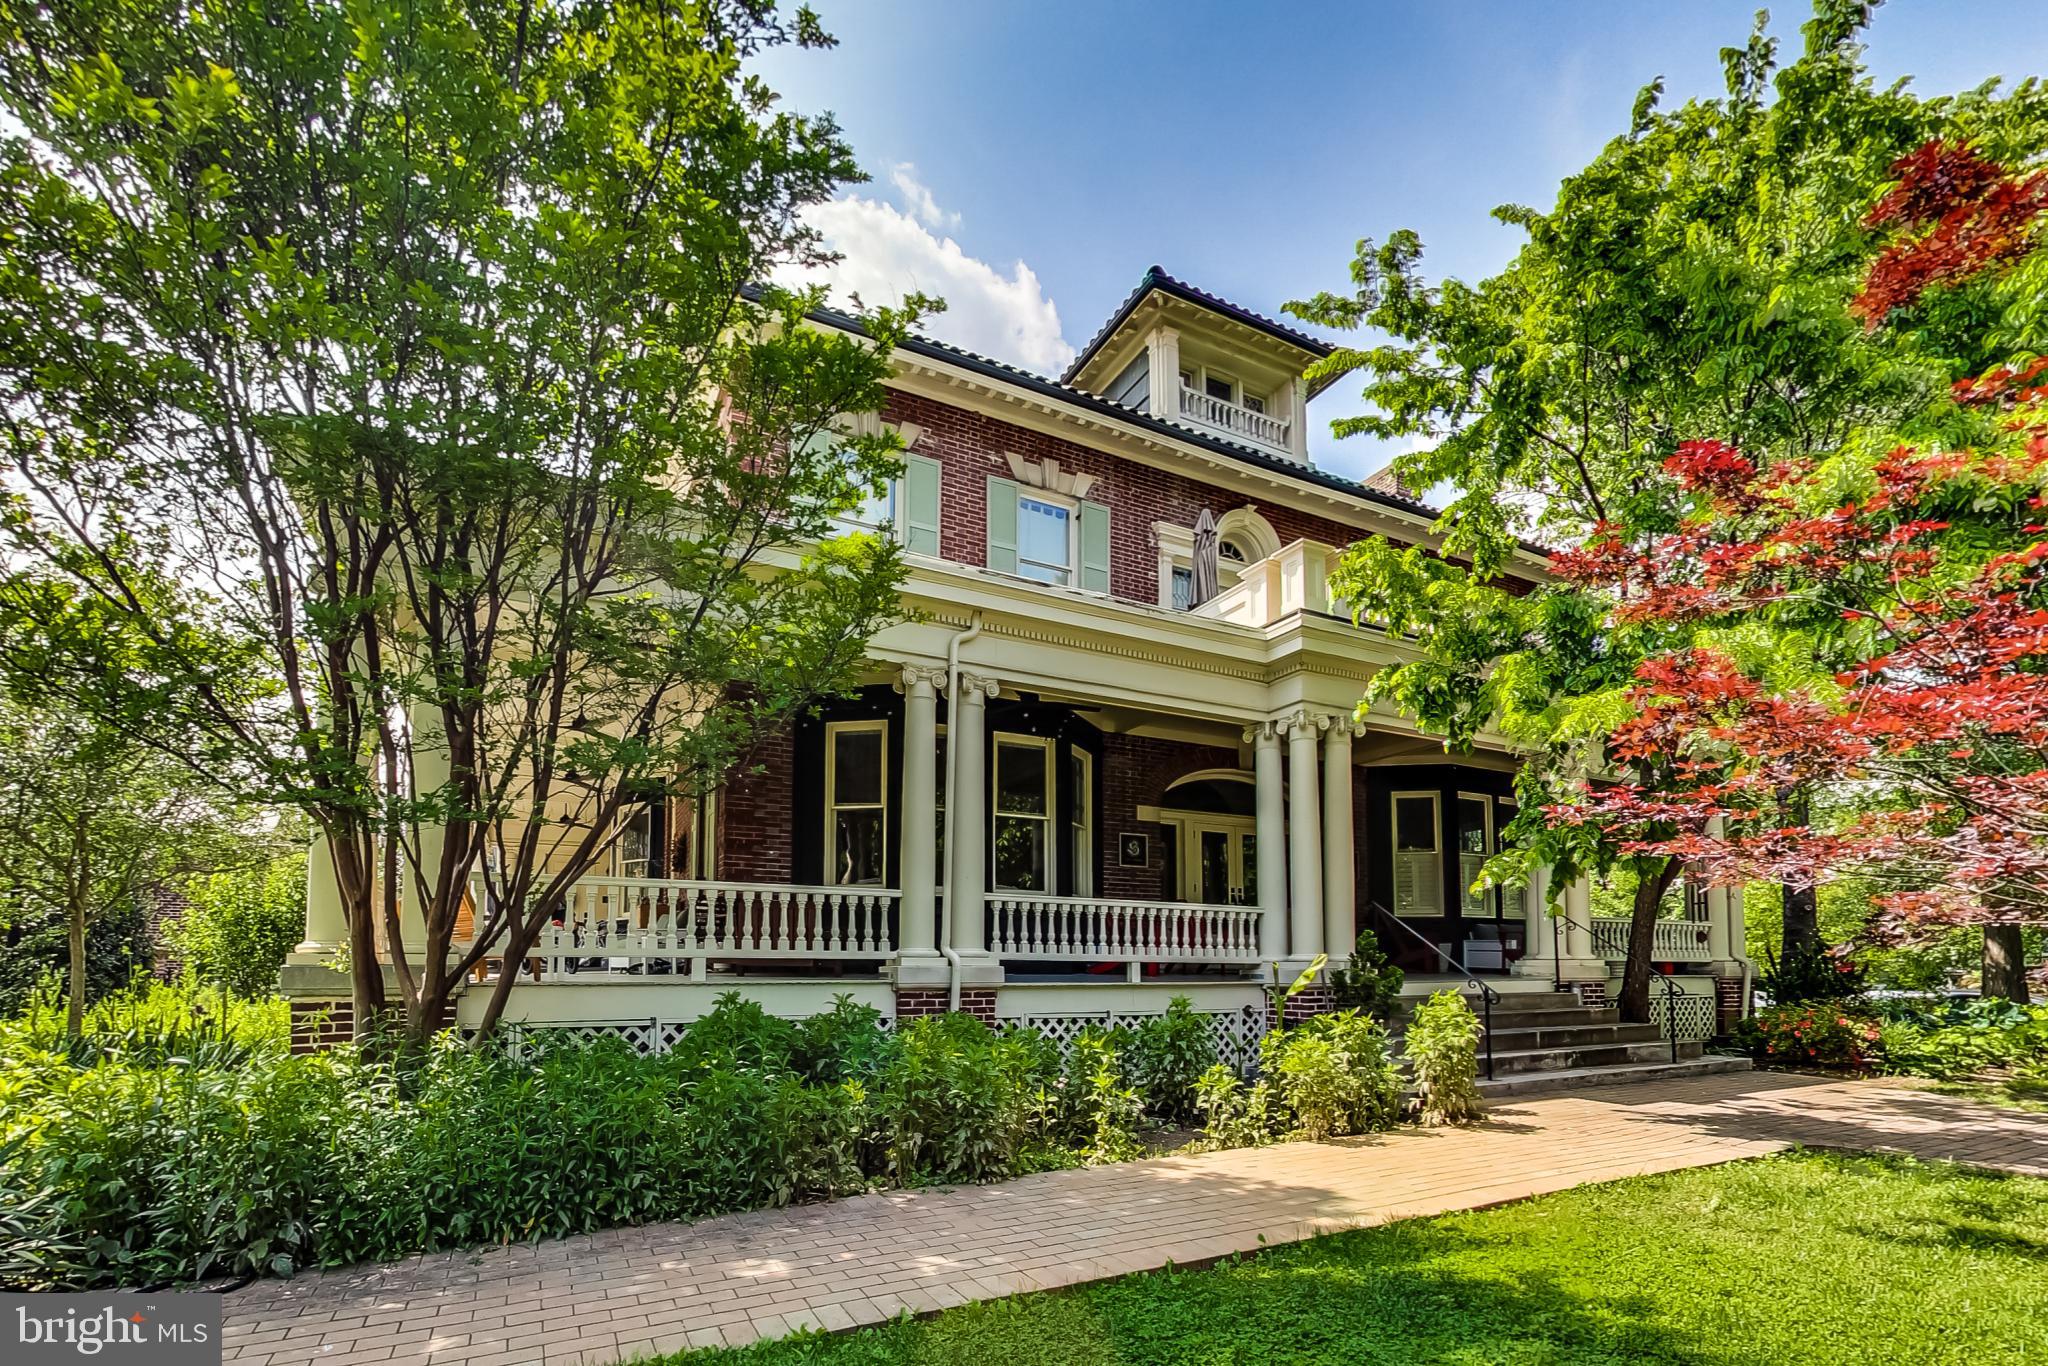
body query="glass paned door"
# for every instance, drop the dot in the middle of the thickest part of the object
(1221, 865)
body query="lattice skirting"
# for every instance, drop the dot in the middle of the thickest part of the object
(1698, 1016)
(1237, 1032)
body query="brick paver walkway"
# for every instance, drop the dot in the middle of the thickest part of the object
(632, 1292)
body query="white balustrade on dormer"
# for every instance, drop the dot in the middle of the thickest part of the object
(1233, 418)
(1295, 578)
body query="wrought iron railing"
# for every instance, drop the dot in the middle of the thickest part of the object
(1487, 995)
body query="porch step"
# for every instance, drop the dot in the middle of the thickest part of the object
(1524, 1038)
(1512, 1061)
(1563, 1017)
(1574, 1078)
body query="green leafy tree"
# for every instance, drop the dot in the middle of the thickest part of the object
(1692, 281)
(89, 823)
(387, 391)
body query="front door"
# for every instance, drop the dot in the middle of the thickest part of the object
(1219, 861)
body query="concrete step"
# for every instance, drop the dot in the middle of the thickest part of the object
(1576, 1078)
(1507, 1061)
(1576, 1016)
(1572, 1035)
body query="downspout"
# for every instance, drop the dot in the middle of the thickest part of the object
(952, 767)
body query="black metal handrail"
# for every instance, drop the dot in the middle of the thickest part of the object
(1671, 995)
(1487, 995)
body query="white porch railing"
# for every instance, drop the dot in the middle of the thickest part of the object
(1672, 941)
(1233, 418)
(1086, 929)
(616, 924)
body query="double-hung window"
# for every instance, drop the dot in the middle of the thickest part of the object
(1418, 855)
(1045, 540)
(856, 802)
(1047, 537)
(1023, 813)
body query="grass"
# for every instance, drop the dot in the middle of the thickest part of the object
(1806, 1257)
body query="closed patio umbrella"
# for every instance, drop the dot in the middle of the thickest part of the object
(1206, 572)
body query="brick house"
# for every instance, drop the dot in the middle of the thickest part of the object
(1068, 788)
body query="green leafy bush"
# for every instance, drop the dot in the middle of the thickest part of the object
(1961, 1039)
(953, 1105)
(239, 926)
(1370, 981)
(1234, 1115)
(1443, 1049)
(1331, 1074)
(1815, 1034)
(1166, 1057)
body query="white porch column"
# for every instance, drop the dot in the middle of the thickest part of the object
(326, 925)
(1578, 930)
(1304, 840)
(430, 771)
(1271, 807)
(1539, 932)
(918, 932)
(1717, 909)
(1340, 872)
(967, 870)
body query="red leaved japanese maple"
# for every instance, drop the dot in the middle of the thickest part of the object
(1909, 621)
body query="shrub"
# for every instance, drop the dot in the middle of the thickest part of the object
(1827, 974)
(1957, 1039)
(238, 927)
(953, 1102)
(1332, 1075)
(1166, 1057)
(1233, 1115)
(1370, 982)
(1811, 1035)
(1443, 1049)
(845, 1043)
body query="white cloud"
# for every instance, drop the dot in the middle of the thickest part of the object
(888, 253)
(917, 196)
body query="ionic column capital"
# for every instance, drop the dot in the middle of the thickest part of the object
(1302, 722)
(978, 687)
(926, 676)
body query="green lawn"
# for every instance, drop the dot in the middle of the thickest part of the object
(1805, 1257)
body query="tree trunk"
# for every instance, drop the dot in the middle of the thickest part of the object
(2005, 963)
(1642, 938)
(1802, 904)
(74, 1009)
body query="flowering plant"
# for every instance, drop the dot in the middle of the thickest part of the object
(1814, 1034)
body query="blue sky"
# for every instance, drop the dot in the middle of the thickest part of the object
(1032, 157)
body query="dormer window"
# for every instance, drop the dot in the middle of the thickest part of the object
(1216, 386)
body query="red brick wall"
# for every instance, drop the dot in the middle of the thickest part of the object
(971, 446)
(912, 1002)
(1135, 772)
(756, 815)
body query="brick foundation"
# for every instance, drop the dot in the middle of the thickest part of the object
(320, 1025)
(912, 1002)
(1727, 1002)
(1309, 1001)
(1591, 993)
